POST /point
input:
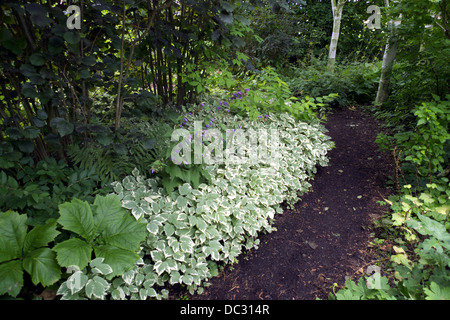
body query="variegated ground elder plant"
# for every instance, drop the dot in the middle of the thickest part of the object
(191, 230)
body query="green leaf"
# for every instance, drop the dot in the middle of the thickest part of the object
(5, 34)
(108, 212)
(13, 230)
(73, 252)
(11, 275)
(186, 244)
(31, 132)
(15, 45)
(72, 37)
(42, 266)
(64, 128)
(127, 235)
(28, 90)
(120, 260)
(76, 282)
(26, 146)
(437, 293)
(431, 227)
(185, 189)
(37, 59)
(169, 229)
(40, 236)
(76, 216)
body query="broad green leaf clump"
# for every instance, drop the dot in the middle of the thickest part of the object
(22, 250)
(106, 229)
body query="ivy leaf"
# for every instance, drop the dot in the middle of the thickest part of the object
(42, 266)
(11, 275)
(76, 216)
(73, 252)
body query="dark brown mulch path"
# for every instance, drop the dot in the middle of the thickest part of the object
(326, 237)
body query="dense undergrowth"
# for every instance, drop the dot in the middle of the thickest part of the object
(417, 223)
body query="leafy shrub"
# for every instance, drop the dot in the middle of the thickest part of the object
(39, 189)
(105, 228)
(267, 92)
(26, 250)
(139, 143)
(421, 261)
(354, 83)
(190, 229)
(426, 144)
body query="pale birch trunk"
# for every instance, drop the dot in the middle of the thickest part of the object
(390, 52)
(337, 15)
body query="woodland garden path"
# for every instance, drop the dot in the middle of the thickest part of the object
(326, 237)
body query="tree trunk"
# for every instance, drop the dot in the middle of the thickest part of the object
(337, 15)
(390, 52)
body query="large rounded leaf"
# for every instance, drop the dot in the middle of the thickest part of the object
(37, 59)
(72, 37)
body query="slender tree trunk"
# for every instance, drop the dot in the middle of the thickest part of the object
(337, 15)
(390, 52)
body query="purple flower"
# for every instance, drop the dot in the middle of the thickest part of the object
(185, 120)
(228, 110)
(218, 108)
(206, 126)
(220, 103)
(202, 104)
(212, 120)
(259, 116)
(239, 92)
(225, 103)
(153, 170)
(247, 89)
(239, 126)
(266, 115)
